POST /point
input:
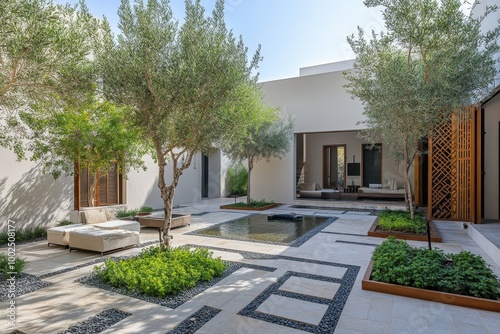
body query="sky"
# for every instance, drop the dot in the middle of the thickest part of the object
(292, 33)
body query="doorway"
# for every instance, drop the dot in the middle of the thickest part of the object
(204, 176)
(334, 167)
(372, 164)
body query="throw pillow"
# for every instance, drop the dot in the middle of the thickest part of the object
(95, 216)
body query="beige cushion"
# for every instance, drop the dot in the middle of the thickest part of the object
(110, 214)
(95, 216)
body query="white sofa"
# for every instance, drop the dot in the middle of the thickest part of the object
(102, 241)
(115, 233)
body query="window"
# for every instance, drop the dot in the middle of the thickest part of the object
(108, 189)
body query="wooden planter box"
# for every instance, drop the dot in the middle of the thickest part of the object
(262, 208)
(435, 296)
(435, 236)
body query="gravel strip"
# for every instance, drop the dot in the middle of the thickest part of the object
(352, 234)
(171, 301)
(356, 243)
(24, 283)
(296, 243)
(335, 305)
(195, 321)
(97, 323)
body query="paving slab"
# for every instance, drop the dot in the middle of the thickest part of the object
(310, 287)
(293, 309)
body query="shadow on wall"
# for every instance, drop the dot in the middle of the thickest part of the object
(35, 200)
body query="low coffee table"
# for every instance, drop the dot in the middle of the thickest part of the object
(158, 222)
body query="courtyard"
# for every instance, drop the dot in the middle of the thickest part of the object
(312, 287)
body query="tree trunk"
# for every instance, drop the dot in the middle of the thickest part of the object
(167, 191)
(93, 185)
(167, 205)
(250, 167)
(408, 196)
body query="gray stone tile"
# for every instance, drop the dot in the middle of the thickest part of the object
(293, 309)
(310, 287)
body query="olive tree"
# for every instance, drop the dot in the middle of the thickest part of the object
(263, 135)
(96, 135)
(45, 55)
(432, 61)
(179, 81)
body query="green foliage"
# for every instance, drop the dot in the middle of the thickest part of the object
(159, 272)
(45, 58)
(64, 223)
(236, 180)
(6, 269)
(463, 273)
(96, 134)
(432, 61)
(181, 82)
(252, 204)
(25, 235)
(400, 221)
(263, 135)
(126, 213)
(146, 209)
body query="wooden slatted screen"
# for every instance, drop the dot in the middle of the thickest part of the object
(107, 190)
(452, 169)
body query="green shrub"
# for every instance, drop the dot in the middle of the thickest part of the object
(160, 272)
(253, 204)
(5, 268)
(126, 213)
(400, 221)
(146, 209)
(237, 180)
(463, 273)
(65, 223)
(25, 235)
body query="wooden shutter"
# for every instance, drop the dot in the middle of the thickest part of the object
(108, 190)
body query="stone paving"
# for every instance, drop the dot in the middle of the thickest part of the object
(314, 288)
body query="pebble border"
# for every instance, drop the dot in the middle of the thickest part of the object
(195, 321)
(336, 305)
(356, 243)
(25, 283)
(296, 243)
(332, 314)
(97, 323)
(171, 301)
(351, 234)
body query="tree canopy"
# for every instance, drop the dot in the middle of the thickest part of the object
(97, 135)
(178, 81)
(262, 136)
(432, 61)
(45, 56)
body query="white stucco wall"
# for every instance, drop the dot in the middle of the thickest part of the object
(29, 197)
(274, 180)
(142, 186)
(318, 103)
(491, 158)
(489, 23)
(328, 115)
